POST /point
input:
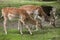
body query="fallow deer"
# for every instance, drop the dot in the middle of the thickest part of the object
(36, 11)
(41, 12)
(11, 13)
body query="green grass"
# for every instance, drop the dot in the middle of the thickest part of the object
(19, 3)
(46, 34)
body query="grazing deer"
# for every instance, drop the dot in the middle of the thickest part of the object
(36, 12)
(41, 12)
(23, 18)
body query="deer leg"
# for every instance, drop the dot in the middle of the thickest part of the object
(29, 29)
(23, 22)
(36, 26)
(20, 27)
(18, 24)
(40, 21)
(5, 25)
(26, 26)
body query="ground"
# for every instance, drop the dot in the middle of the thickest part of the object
(48, 33)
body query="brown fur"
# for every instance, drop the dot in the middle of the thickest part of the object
(31, 8)
(20, 12)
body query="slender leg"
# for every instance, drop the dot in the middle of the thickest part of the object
(21, 22)
(18, 24)
(21, 27)
(40, 21)
(28, 29)
(5, 25)
(36, 26)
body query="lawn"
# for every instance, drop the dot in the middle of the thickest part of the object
(13, 34)
(47, 34)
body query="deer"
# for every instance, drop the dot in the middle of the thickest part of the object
(50, 11)
(36, 12)
(41, 13)
(24, 18)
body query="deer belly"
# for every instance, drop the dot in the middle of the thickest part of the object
(11, 16)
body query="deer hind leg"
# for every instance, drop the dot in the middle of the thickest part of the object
(41, 20)
(5, 25)
(29, 29)
(26, 26)
(20, 26)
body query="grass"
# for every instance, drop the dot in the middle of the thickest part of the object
(19, 3)
(46, 34)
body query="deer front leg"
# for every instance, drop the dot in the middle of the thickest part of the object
(36, 26)
(26, 26)
(5, 25)
(20, 27)
(29, 29)
(18, 24)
